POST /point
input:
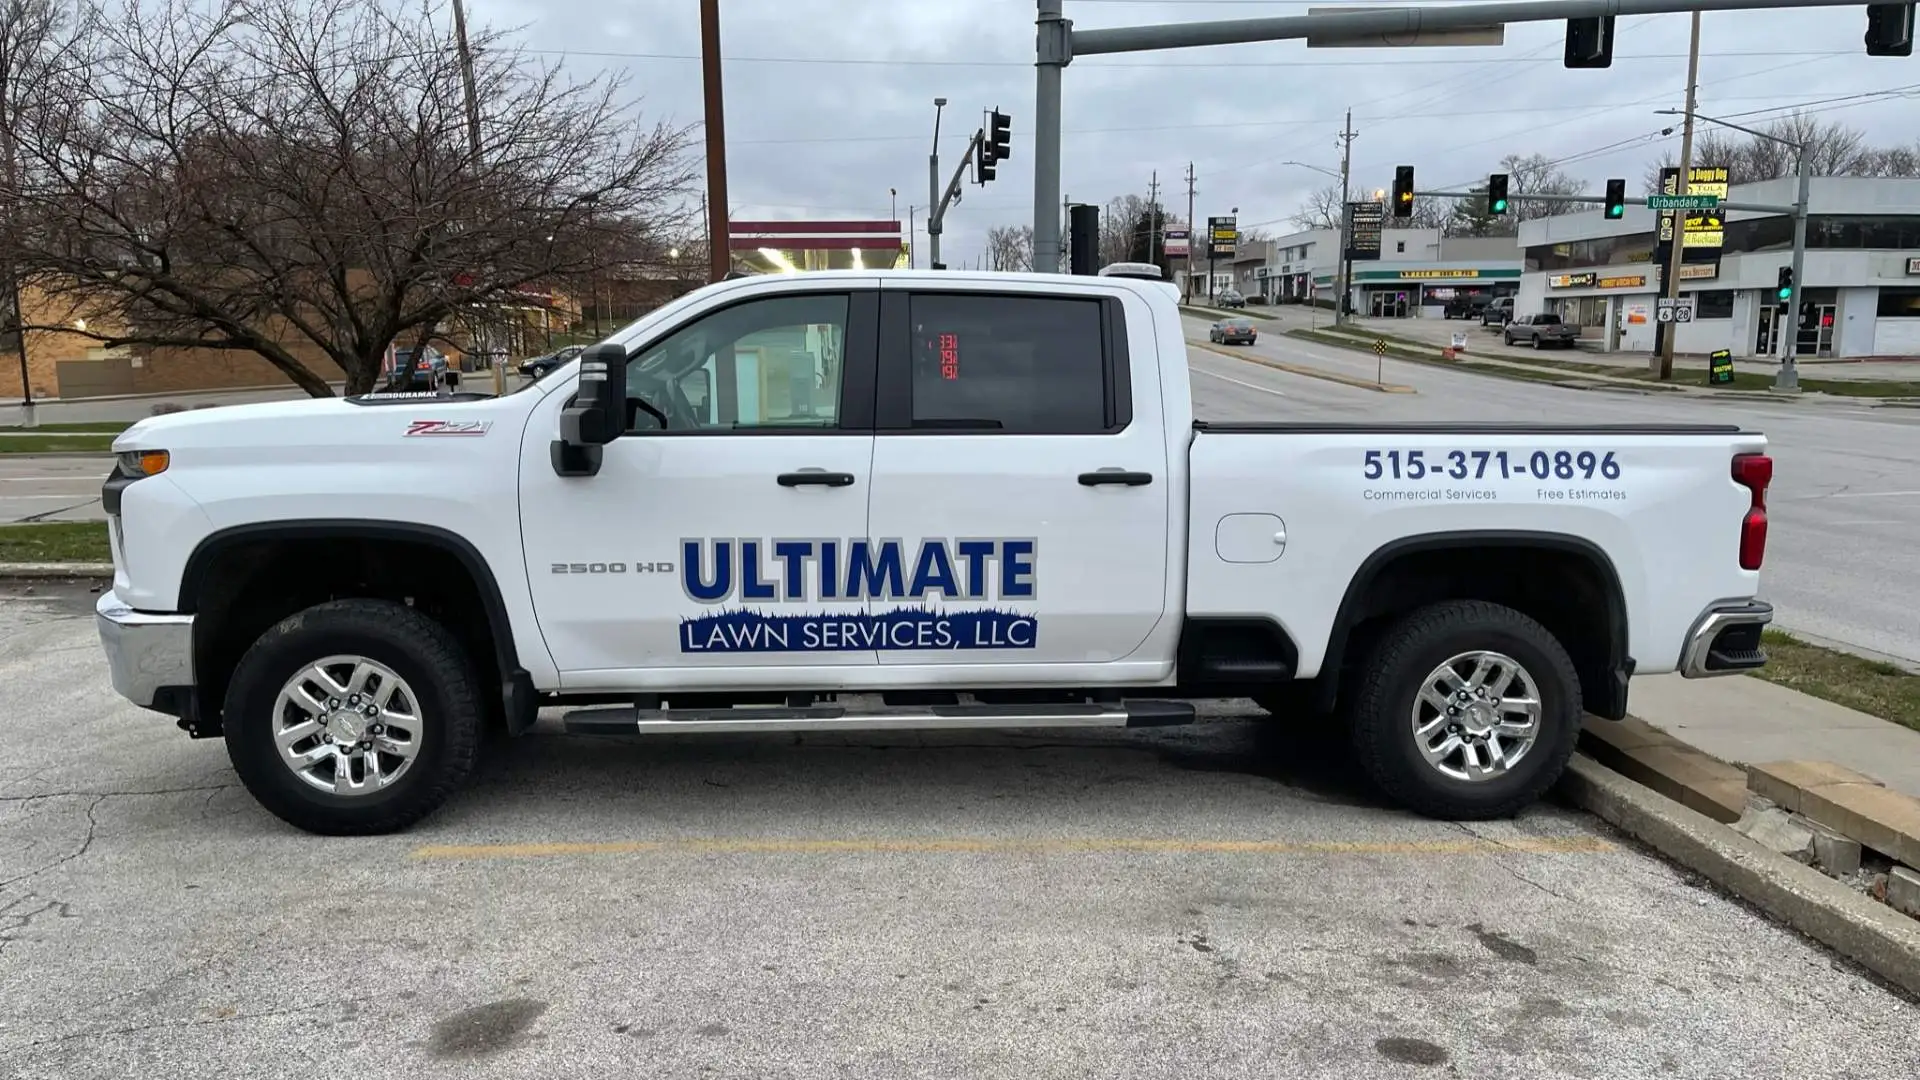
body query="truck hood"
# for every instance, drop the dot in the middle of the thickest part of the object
(301, 426)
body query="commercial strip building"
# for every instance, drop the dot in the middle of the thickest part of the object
(1861, 274)
(1418, 273)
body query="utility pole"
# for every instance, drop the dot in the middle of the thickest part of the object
(1153, 212)
(1192, 230)
(1676, 255)
(466, 79)
(1345, 274)
(719, 249)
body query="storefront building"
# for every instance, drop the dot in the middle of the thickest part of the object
(1859, 285)
(1424, 290)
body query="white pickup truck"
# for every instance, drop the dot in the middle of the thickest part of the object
(859, 500)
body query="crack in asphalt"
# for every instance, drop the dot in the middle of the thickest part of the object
(86, 842)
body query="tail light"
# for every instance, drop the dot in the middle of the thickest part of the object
(1753, 472)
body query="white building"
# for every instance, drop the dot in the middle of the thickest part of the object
(1861, 273)
(1417, 274)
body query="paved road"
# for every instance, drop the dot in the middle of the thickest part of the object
(51, 488)
(1844, 542)
(1221, 900)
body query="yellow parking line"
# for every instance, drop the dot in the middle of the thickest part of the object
(1579, 845)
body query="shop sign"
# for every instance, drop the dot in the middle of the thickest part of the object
(1634, 281)
(1913, 265)
(1571, 281)
(1431, 275)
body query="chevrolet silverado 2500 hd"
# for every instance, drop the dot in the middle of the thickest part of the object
(840, 501)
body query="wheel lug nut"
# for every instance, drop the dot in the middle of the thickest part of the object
(333, 703)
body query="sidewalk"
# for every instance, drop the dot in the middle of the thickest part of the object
(1744, 720)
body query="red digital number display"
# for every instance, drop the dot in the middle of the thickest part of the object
(949, 345)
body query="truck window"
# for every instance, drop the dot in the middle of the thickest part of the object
(1031, 365)
(772, 362)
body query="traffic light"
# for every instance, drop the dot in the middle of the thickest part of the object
(1889, 29)
(1616, 199)
(1784, 290)
(1589, 43)
(1497, 193)
(1403, 191)
(1000, 135)
(985, 167)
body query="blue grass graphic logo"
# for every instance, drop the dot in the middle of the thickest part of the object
(896, 630)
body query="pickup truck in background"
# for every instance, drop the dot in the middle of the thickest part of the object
(1540, 331)
(882, 500)
(1498, 312)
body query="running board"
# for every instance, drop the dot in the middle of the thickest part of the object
(629, 721)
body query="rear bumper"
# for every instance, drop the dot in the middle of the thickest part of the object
(1725, 640)
(146, 653)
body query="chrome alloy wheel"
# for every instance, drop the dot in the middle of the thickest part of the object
(1477, 715)
(347, 725)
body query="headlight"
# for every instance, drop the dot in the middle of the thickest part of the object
(143, 462)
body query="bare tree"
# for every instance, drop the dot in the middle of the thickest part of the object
(1537, 174)
(1324, 209)
(283, 178)
(1010, 247)
(36, 41)
(1833, 149)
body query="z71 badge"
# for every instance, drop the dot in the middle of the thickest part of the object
(448, 427)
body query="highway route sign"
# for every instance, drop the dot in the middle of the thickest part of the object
(1673, 311)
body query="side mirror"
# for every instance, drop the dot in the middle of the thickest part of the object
(598, 414)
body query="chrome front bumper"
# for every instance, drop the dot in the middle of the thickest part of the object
(1725, 640)
(145, 652)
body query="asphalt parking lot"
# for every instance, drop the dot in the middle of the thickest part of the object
(1221, 900)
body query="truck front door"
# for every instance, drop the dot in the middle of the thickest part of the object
(723, 538)
(1021, 481)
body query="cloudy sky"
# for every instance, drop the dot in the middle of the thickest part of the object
(830, 102)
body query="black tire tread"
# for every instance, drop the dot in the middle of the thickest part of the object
(1378, 717)
(435, 648)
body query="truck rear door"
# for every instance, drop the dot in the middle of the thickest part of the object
(1021, 465)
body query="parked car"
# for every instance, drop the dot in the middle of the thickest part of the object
(543, 365)
(1233, 332)
(1540, 331)
(1231, 298)
(429, 366)
(1463, 307)
(1498, 312)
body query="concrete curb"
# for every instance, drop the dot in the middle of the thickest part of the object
(1307, 372)
(41, 571)
(1857, 927)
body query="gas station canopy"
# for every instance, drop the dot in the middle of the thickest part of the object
(785, 247)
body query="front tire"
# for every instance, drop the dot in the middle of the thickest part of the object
(353, 717)
(1466, 710)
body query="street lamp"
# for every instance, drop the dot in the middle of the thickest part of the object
(933, 189)
(1788, 377)
(1343, 269)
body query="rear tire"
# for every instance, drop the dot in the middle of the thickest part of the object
(431, 680)
(1395, 698)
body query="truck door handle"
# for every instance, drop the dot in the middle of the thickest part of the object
(1115, 476)
(816, 478)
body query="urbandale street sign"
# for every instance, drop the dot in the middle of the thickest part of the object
(1682, 202)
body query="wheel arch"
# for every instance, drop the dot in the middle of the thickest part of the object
(1604, 665)
(517, 695)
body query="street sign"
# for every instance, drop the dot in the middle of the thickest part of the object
(1490, 34)
(1682, 202)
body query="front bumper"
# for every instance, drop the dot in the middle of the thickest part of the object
(1725, 640)
(146, 653)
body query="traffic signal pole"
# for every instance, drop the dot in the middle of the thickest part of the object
(1057, 42)
(1677, 253)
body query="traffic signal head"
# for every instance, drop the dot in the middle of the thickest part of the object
(1616, 199)
(1589, 43)
(986, 167)
(1403, 191)
(1889, 29)
(1000, 135)
(1784, 290)
(1497, 193)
